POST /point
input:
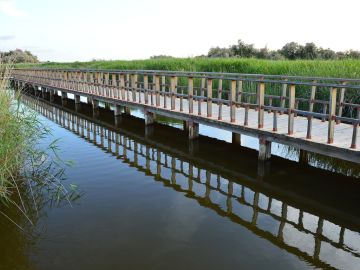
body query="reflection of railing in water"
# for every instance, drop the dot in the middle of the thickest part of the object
(156, 163)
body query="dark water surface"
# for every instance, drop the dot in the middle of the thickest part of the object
(152, 200)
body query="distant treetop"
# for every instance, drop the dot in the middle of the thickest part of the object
(291, 51)
(18, 56)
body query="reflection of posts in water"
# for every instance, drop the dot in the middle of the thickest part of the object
(318, 238)
(118, 120)
(190, 178)
(158, 163)
(109, 140)
(282, 221)
(117, 141)
(255, 208)
(263, 169)
(228, 198)
(147, 156)
(149, 131)
(88, 129)
(205, 199)
(52, 95)
(173, 170)
(124, 148)
(135, 153)
(101, 136)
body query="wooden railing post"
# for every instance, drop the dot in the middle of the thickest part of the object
(312, 97)
(173, 91)
(157, 90)
(341, 102)
(332, 114)
(163, 90)
(261, 97)
(355, 131)
(133, 86)
(232, 98)
(283, 95)
(122, 86)
(209, 97)
(239, 91)
(220, 98)
(114, 83)
(146, 88)
(190, 94)
(291, 109)
(202, 86)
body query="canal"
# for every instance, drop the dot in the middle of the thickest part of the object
(150, 199)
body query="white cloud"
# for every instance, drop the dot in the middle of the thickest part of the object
(9, 8)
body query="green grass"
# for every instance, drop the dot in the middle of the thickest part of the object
(326, 68)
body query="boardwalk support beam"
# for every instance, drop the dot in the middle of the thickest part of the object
(149, 118)
(193, 130)
(236, 138)
(264, 149)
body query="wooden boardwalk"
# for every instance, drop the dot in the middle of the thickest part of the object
(313, 114)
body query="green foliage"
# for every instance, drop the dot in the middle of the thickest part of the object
(291, 51)
(347, 68)
(18, 56)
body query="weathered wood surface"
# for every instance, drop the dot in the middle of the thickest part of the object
(316, 132)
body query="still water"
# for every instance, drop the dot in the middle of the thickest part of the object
(152, 200)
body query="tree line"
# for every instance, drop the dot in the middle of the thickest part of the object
(18, 56)
(291, 51)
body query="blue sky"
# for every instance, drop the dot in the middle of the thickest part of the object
(83, 30)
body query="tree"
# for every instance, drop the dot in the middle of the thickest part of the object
(19, 56)
(309, 51)
(220, 52)
(292, 50)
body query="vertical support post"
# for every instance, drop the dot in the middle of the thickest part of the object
(264, 149)
(193, 130)
(117, 110)
(236, 138)
(303, 157)
(291, 109)
(77, 99)
(261, 97)
(173, 91)
(149, 118)
(190, 94)
(332, 114)
(209, 97)
(232, 97)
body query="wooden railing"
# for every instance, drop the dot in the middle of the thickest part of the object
(220, 95)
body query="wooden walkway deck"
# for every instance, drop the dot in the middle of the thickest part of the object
(313, 114)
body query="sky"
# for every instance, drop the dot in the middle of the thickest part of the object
(81, 30)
